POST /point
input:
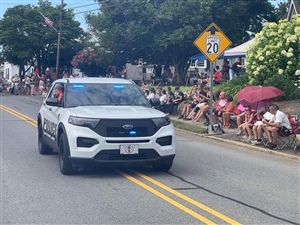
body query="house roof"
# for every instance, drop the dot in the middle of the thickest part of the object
(294, 8)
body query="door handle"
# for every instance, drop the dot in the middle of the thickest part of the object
(50, 109)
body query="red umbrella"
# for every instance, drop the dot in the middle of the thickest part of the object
(252, 94)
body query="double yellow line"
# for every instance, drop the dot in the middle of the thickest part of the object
(19, 115)
(177, 194)
(151, 189)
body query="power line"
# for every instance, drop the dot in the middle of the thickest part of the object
(86, 11)
(82, 6)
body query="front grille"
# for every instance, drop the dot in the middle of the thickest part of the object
(114, 128)
(115, 155)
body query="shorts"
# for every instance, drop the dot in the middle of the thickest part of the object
(297, 131)
(284, 131)
(193, 105)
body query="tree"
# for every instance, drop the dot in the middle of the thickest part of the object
(274, 58)
(25, 37)
(89, 63)
(163, 31)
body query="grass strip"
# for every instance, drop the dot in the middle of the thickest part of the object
(189, 127)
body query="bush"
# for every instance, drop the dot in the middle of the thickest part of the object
(274, 57)
(284, 83)
(233, 86)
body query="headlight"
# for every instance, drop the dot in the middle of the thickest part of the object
(83, 122)
(160, 122)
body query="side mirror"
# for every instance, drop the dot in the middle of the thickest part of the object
(154, 102)
(52, 102)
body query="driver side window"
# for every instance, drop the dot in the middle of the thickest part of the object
(52, 93)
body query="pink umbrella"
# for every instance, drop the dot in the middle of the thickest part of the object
(261, 106)
(252, 94)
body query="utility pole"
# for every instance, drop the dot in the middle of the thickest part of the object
(58, 40)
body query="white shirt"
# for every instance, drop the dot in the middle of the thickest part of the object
(163, 98)
(151, 95)
(282, 119)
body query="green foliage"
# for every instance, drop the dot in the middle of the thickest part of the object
(25, 37)
(284, 83)
(163, 31)
(274, 57)
(233, 86)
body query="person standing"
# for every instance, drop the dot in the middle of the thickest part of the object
(235, 68)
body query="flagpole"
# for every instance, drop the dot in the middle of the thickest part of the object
(58, 40)
(45, 19)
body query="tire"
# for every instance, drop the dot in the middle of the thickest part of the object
(43, 148)
(65, 165)
(164, 167)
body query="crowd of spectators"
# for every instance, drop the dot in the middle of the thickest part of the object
(252, 124)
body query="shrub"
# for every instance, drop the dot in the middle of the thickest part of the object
(274, 57)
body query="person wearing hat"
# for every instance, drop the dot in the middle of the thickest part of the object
(48, 75)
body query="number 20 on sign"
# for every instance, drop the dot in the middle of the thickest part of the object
(212, 44)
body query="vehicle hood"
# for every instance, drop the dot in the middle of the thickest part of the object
(115, 112)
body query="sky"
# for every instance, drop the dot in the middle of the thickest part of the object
(79, 6)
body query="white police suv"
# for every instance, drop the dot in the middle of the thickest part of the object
(104, 121)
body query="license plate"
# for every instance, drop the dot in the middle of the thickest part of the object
(129, 149)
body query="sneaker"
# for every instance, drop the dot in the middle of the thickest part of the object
(243, 139)
(256, 142)
(180, 117)
(272, 146)
(239, 133)
(248, 140)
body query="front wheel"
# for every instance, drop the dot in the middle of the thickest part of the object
(164, 166)
(65, 164)
(43, 148)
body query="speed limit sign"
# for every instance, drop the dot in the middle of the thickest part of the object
(212, 44)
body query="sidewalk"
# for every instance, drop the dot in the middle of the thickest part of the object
(230, 136)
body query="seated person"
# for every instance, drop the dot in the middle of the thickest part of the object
(257, 128)
(220, 106)
(279, 123)
(191, 103)
(230, 110)
(178, 98)
(297, 147)
(203, 77)
(246, 127)
(59, 93)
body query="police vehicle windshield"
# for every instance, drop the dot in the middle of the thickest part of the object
(89, 94)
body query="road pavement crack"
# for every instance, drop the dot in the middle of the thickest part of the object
(231, 199)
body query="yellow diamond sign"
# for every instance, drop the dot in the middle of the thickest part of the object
(212, 42)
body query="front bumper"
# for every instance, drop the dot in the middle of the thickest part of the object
(125, 162)
(107, 149)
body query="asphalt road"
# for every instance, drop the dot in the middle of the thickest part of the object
(210, 182)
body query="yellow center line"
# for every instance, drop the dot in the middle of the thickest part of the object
(188, 199)
(166, 198)
(19, 115)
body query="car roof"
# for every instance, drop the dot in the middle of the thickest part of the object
(94, 80)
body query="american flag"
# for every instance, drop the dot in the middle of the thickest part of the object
(48, 22)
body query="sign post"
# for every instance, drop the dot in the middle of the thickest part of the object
(212, 43)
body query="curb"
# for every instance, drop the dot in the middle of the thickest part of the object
(250, 147)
